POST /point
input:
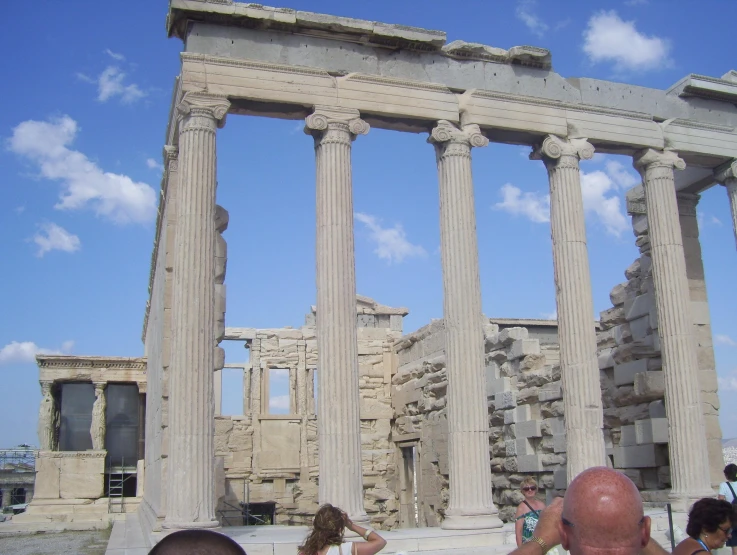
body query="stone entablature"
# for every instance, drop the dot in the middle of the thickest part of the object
(72, 368)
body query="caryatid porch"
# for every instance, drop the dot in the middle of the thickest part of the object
(238, 59)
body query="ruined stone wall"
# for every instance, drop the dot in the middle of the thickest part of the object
(274, 457)
(527, 432)
(636, 425)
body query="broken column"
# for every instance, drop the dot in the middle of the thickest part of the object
(727, 176)
(470, 505)
(577, 336)
(339, 429)
(191, 399)
(687, 447)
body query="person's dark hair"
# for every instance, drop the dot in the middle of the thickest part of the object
(327, 529)
(730, 472)
(197, 542)
(707, 514)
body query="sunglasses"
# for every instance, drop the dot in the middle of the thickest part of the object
(727, 531)
(529, 488)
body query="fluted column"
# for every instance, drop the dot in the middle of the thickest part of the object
(687, 441)
(97, 427)
(339, 429)
(470, 505)
(727, 176)
(578, 358)
(191, 399)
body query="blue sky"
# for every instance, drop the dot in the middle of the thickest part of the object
(86, 97)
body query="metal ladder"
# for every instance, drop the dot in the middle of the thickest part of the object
(115, 480)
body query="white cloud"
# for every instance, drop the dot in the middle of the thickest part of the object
(53, 237)
(621, 176)
(549, 315)
(279, 402)
(724, 340)
(729, 383)
(19, 209)
(635, 2)
(594, 187)
(84, 184)
(609, 38)
(110, 84)
(391, 243)
(154, 165)
(115, 55)
(533, 206)
(26, 351)
(526, 13)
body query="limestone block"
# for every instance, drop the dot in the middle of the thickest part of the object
(82, 477)
(640, 329)
(553, 426)
(530, 428)
(560, 478)
(618, 294)
(219, 358)
(559, 443)
(47, 477)
(519, 414)
(221, 218)
(639, 456)
(550, 392)
(499, 385)
(657, 409)
(624, 374)
(366, 321)
(524, 347)
(622, 334)
(638, 306)
(509, 335)
(650, 384)
(628, 436)
(529, 463)
(652, 430)
(395, 322)
(524, 447)
(700, 313)
(606, 359)
(510, 446)
(611, 317)
(492, 370)
(505, 400)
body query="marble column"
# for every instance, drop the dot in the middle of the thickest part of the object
(339, 428)
(301, 394)
(191, 400)
(470, 505)
(97, 427)
(727, 176)
(687, 442)
(48, 418)
(578, 357)
(256, 372)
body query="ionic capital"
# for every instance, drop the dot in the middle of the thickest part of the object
(333, 124)
(211, 109)
(648, 158)
(726, 174)
(555, 151)
(447, 134)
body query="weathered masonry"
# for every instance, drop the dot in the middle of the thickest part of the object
(470, 387)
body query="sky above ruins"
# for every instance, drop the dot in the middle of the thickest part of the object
(86, 94)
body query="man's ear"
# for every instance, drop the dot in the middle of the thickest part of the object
(646, 531)
(563, 533)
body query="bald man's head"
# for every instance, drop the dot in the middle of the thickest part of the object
(197, 542)
(602, 511)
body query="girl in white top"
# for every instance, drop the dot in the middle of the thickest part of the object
(326, 537)
(725, 493)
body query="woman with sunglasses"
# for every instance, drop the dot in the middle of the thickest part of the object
(709, 526)
(528, 512)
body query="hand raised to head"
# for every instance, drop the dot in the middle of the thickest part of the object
(547, 526)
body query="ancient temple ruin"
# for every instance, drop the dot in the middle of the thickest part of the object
(438, 427)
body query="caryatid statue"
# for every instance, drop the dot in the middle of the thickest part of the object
(48, 418)
(97, 429)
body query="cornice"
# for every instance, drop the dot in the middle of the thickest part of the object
(105, 363)
(701, 125)
(379, 80)
(72, 454)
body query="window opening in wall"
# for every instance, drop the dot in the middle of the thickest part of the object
(121, 424)
(279, 391)
(17, 496)
(233, 381)
(76, 416)
(232, 390)
(315, 387)
(409, 499)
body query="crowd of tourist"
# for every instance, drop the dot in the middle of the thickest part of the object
(601, 514)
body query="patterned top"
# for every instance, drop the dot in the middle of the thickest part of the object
(528, 526)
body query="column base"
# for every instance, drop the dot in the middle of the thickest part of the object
(683, 501)
(471, 522)
(173, 526)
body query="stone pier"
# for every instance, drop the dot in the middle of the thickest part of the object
(338, 407)
(578, 358)
(470, 505)
(727, 176)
